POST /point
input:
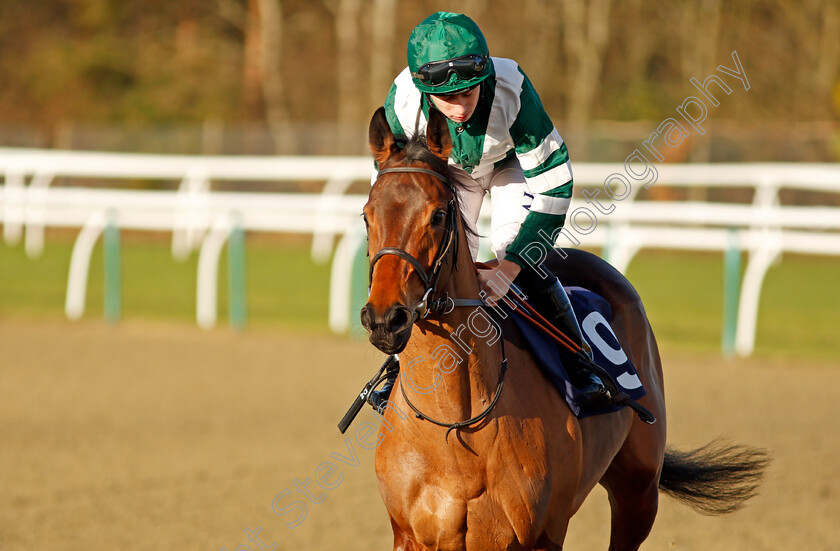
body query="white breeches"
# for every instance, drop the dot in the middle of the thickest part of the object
(510, 201)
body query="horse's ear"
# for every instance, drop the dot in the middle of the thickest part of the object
(381, 139)
(437, 135)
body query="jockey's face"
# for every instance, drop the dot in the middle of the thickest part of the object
(460, 106)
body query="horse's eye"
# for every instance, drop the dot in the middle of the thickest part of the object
(438, 218)
(364, 217)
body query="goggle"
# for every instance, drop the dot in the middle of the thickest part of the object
(437, 73)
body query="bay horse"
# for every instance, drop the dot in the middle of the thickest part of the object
(520, 463)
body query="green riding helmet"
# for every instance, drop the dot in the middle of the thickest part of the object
(448, 53)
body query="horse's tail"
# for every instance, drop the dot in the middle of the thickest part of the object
(714, 479)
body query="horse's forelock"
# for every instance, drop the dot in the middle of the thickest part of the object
(417, 150)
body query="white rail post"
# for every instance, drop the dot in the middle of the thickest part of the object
(74, 305)
(14, 201)
(190, 218)
(341, 280)
(760, 261)
(325, 228)
(208, 271)
(767, 249)
(624, 248)
(36, 196)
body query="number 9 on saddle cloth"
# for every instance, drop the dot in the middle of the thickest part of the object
(593, 312)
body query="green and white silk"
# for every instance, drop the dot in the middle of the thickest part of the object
(509, 121)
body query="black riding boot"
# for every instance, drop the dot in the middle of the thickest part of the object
(553, 303)
(377, 398)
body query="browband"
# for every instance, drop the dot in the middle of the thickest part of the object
(437, 175)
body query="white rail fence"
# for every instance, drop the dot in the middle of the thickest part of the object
(202, 218)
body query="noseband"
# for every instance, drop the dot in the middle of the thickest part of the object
(445, 304)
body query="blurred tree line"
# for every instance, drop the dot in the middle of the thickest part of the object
(292, 74)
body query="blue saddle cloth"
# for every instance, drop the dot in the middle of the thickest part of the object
(593, 313)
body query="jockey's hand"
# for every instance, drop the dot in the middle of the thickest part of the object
(496, 281)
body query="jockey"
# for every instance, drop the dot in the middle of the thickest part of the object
(504, 143)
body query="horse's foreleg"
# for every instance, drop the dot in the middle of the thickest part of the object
(401, 540)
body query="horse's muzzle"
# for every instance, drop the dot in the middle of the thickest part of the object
(389, 331)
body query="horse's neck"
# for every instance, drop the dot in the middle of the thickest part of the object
(455, 358)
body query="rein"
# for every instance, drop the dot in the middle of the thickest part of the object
(472, 420)
(445, 304)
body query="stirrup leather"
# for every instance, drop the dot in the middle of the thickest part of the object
(558, 309)
(377, 398)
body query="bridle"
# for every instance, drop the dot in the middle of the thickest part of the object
(427, 304)
(445, 303)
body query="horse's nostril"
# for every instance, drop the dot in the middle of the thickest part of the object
(366, 316)
(397, 319)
